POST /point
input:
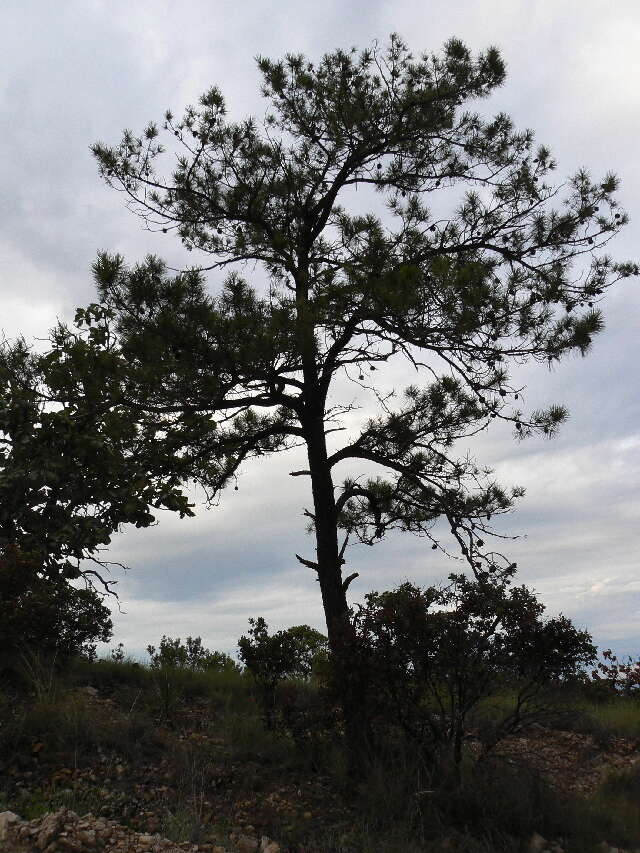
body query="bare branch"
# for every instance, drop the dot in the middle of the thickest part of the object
(348, 580)
(309, 563)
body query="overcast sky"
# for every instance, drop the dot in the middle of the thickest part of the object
(79, 71)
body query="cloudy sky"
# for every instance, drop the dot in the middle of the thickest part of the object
(79, 71)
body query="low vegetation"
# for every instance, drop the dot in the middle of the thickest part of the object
(197, 748)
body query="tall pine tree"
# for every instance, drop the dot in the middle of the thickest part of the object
(160, 383)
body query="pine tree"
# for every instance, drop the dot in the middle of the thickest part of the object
(172, 384)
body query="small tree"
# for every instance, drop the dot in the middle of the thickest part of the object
(117, 654)
(269, 658)
(46, 615)
(429, 656)
(220, 662)
(311, 646)
(159, 383)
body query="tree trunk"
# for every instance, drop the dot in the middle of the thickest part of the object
(457, 750)
(329, 564)
(334, 599)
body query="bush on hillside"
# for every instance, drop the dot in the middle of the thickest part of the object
(192, 655)
(620, 677)
(311, 648)
(429, 656)
(270, 658)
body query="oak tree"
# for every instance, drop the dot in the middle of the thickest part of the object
(430, 656)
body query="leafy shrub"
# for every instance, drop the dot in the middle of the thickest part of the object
(117, 654)
(178, 668)
(310, 649)
(431, 655)
(618, 676)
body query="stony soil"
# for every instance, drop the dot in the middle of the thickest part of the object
(236, 803)
(569, 761)
(64, 831)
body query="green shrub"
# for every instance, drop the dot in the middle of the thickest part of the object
(428, 657)
(310, 651)
(270, 658)
(191, 655)
(619, 676)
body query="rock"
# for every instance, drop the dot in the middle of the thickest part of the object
(7, 820)
(88, 691)
(87, 837)
(64, 832)
(537, 843)
(51, 826)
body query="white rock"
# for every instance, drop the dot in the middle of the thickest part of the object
(6, 820)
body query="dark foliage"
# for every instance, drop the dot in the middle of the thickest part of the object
(270, 658)
(159, 383)
(46, 615)
(430, 656)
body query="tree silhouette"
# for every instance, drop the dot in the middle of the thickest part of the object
(172, 384)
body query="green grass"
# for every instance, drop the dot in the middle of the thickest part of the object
(68, 724)
(619, 717)
(583, 710)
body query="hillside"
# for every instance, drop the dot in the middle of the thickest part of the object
(186, 757)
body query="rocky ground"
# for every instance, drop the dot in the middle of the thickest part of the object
(64, 831)
(207, 796)
(568, 760)
(192, 785)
